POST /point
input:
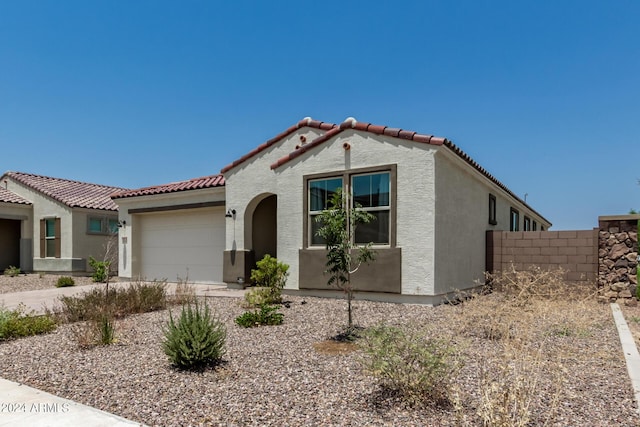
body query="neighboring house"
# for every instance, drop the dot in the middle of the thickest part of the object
(52, 224)
(433, 205)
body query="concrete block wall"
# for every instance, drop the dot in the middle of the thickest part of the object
(574, 251)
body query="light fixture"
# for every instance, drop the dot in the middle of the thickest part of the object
(122, 223)
(231, 213)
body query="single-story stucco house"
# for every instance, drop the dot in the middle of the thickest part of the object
(433, 205)
(52, 224)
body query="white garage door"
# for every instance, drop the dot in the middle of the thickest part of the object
(183, 242)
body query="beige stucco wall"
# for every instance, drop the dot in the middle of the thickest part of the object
(462, 218)
(95, 245)
(129, 237)
(415, 196)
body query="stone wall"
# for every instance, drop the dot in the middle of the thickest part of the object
(617, 256)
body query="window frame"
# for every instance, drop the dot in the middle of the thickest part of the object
(50, 245)
(526, 226)
(346, 176)
(534, 225)
(108, 225)
(514, 214)
(492, 210)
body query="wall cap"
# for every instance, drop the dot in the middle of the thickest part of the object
(619, 217)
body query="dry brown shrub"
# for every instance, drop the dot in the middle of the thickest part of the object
(185, 293)
(531, 317)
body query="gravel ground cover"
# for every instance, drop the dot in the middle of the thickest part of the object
(33, 282)
(274, 375)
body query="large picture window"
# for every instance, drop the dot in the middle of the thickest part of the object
(369, 191)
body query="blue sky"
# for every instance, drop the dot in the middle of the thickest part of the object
(545, 95)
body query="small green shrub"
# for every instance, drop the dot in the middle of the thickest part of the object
(257, 296)
(196, 340)
(100, 270)
(107, 329)
(265, 315)
(65, 281)
(419, 369)
(11, 271)
(272, 275)
(121, 301)
(17, 323)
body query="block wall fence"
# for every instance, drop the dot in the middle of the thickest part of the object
(606, 256)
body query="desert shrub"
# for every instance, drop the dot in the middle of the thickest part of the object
(272, 275)
(101, 330)
(515, 297)
(509, 390)
(265, 315)
(121, 301)
(17, 323)
(418, 368)
(12, 271)
(185, 293)
(257, 296)
(107, 329)
(196, 339)
(100, 270)
(65, 281)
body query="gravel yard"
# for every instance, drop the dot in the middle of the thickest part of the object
(32, 282)
(274, 375)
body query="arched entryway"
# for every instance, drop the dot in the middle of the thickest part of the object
(264, 228)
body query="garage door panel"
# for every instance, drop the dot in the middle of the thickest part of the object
(174, 244)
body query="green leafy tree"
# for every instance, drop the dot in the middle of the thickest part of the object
(338, 227)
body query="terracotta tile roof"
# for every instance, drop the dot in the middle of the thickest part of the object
(366, 127)
(351, 123)
(191, 184)
(7, 196)
(306, 122)
(74, 194)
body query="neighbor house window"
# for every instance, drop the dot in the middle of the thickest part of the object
(370, 190)
(492, 210)
(50, 238)
(534, 226)
(514, 222)
(527, 224)
(102, 225)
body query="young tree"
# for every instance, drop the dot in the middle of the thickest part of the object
(338, 227)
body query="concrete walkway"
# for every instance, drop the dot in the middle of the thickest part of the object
(630, 351)
(21, 405)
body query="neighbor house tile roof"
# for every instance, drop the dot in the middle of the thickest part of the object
(7, 196)
(74, 194)
(191, 184)
(306, 122)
